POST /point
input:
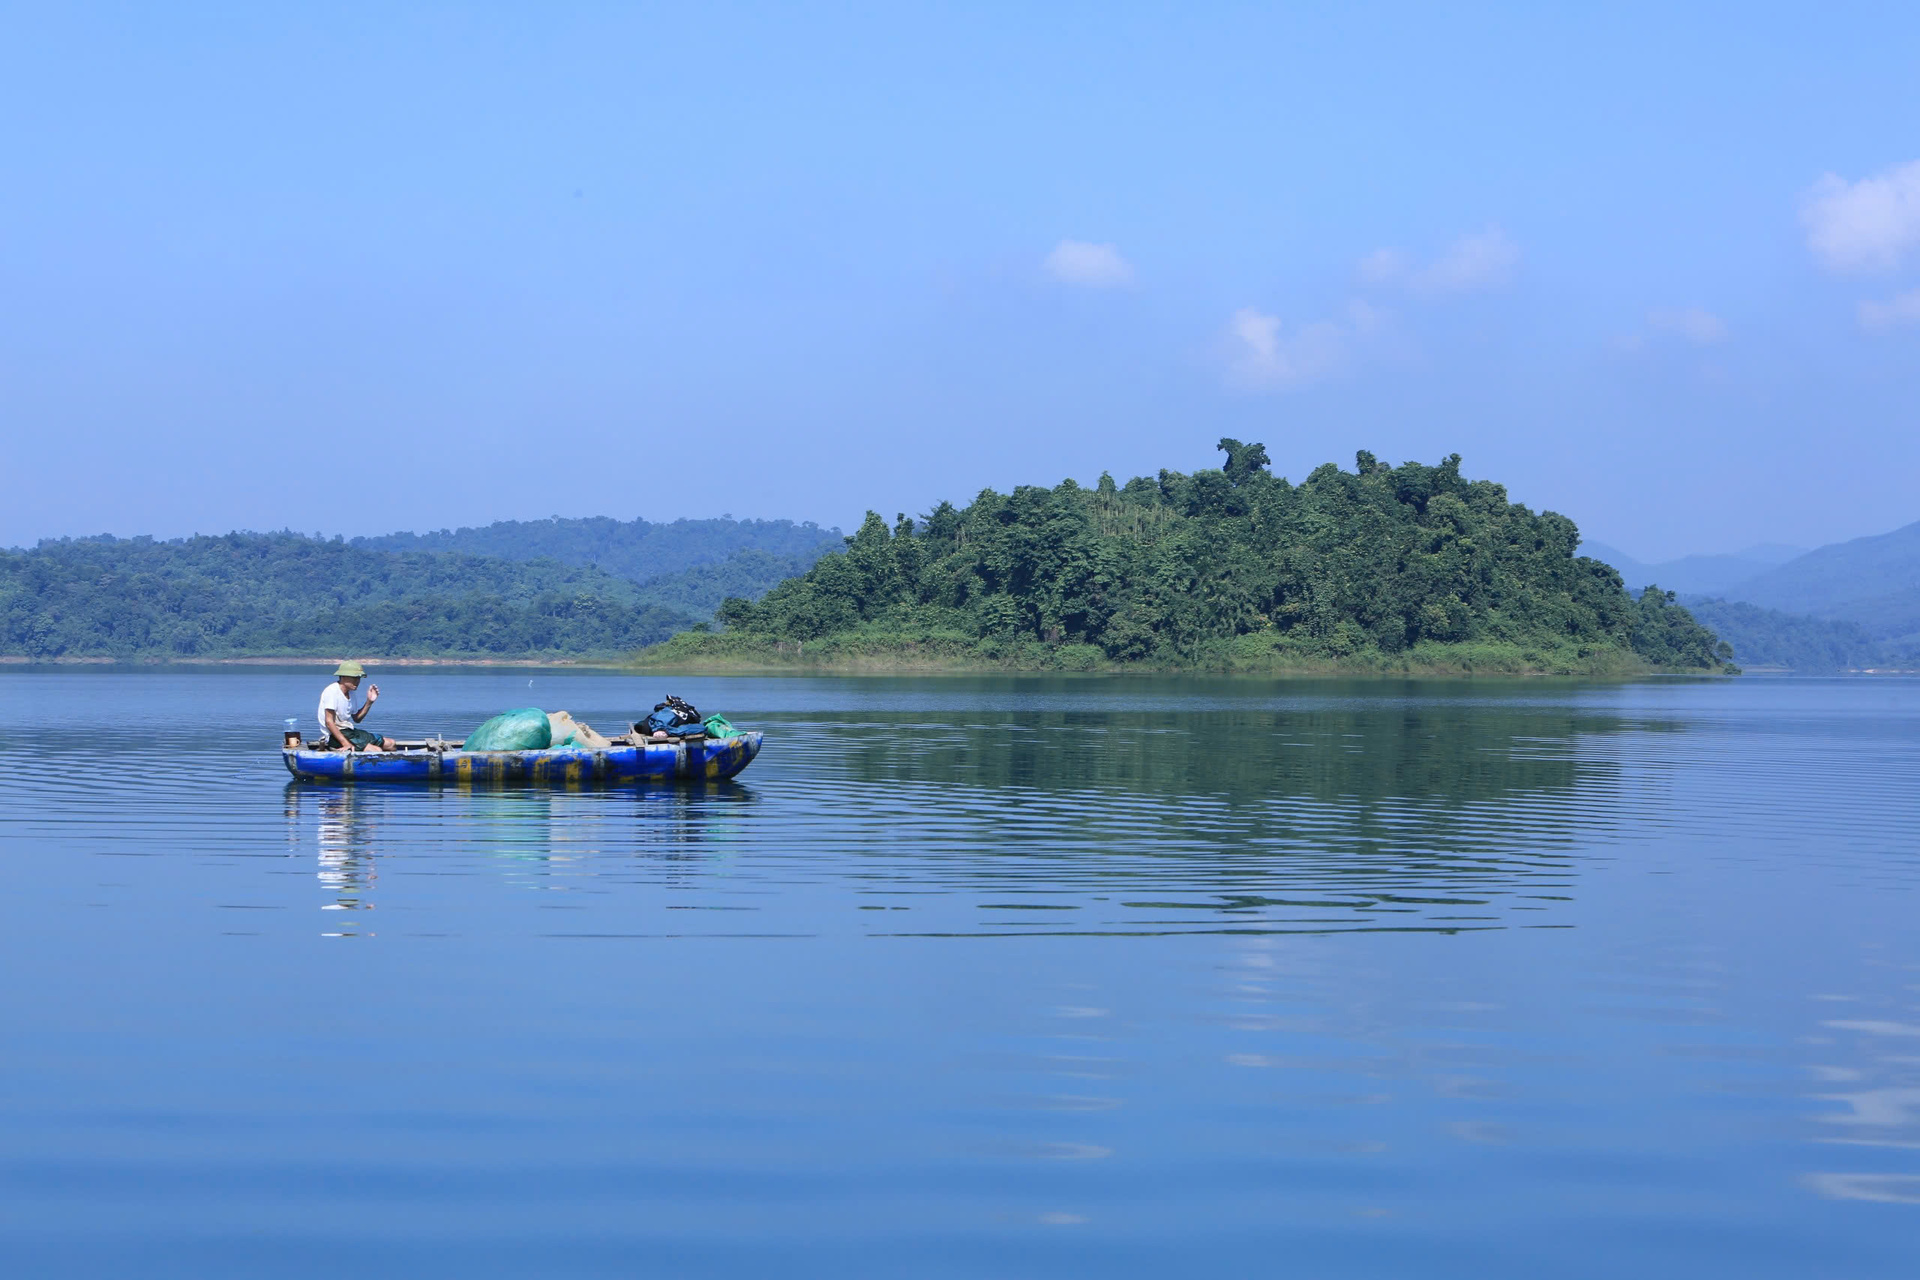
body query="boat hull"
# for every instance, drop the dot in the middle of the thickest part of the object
(701, 760)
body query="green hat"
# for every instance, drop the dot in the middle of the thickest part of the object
(349, 669)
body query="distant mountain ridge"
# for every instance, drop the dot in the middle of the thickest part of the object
(1845, 605)
(1867, 578)
(636, 550)
(250, 594)
(1697, 574)
(513, 589)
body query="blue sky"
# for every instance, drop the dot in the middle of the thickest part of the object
(356, 269)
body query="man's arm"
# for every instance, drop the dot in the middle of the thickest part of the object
(373, 696)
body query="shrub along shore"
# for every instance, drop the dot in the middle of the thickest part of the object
(882, 653)
(1408, 570)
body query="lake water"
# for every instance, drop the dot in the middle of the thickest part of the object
(971, 977)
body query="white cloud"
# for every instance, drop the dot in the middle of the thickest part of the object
(1097, 266)
(1482, 260)
(1364, 318)
(1263, 353)
(1867, 225)
(1472, 262)
(1383, 266)
(1879, 316)
(1695, 324)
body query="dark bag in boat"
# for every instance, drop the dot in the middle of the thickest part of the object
(674, 716)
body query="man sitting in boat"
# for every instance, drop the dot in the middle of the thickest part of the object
(341, 721)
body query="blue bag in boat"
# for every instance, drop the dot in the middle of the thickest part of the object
(674, 717)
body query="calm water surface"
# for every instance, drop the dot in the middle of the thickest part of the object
(971, 977)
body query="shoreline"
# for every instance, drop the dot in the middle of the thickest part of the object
(305, 660)
(872, 664)
(869, 667)
(855, 653)
(1143, 670)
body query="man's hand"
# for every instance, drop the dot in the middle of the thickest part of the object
(373, 694)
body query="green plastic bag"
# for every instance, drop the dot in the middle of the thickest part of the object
(522, 729)
(719, 727)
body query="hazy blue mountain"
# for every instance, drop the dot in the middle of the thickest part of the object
(1869, 584)
(1771, 552)
(637, 550)
(1873, 581)
(1710, 575)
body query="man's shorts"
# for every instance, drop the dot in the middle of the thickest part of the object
(361, 738)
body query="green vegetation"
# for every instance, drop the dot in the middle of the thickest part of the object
(637, 550)
(747, 574)
(1386, 569)
(248, 594)
(1409, 568)
(1769, 638)
(544, 588)
(687, 566)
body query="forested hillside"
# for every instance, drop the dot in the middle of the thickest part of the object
(1770, 638)
(632, 549)
(281, 593)
(1410, 567)
(700, 590)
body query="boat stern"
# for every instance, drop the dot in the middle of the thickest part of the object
(727, 756)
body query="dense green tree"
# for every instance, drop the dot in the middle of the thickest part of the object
(245, 593)
(637, 550)
(1380, 559)
(1667, 635)
(700, 590)
(1769, 638)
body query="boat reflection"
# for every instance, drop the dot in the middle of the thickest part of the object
(347, 870)
(535, 838)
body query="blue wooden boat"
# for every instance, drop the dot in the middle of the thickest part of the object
(691, 759)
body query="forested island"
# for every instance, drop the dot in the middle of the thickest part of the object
(1411, 568)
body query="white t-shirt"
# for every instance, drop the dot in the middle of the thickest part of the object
(334, 698)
